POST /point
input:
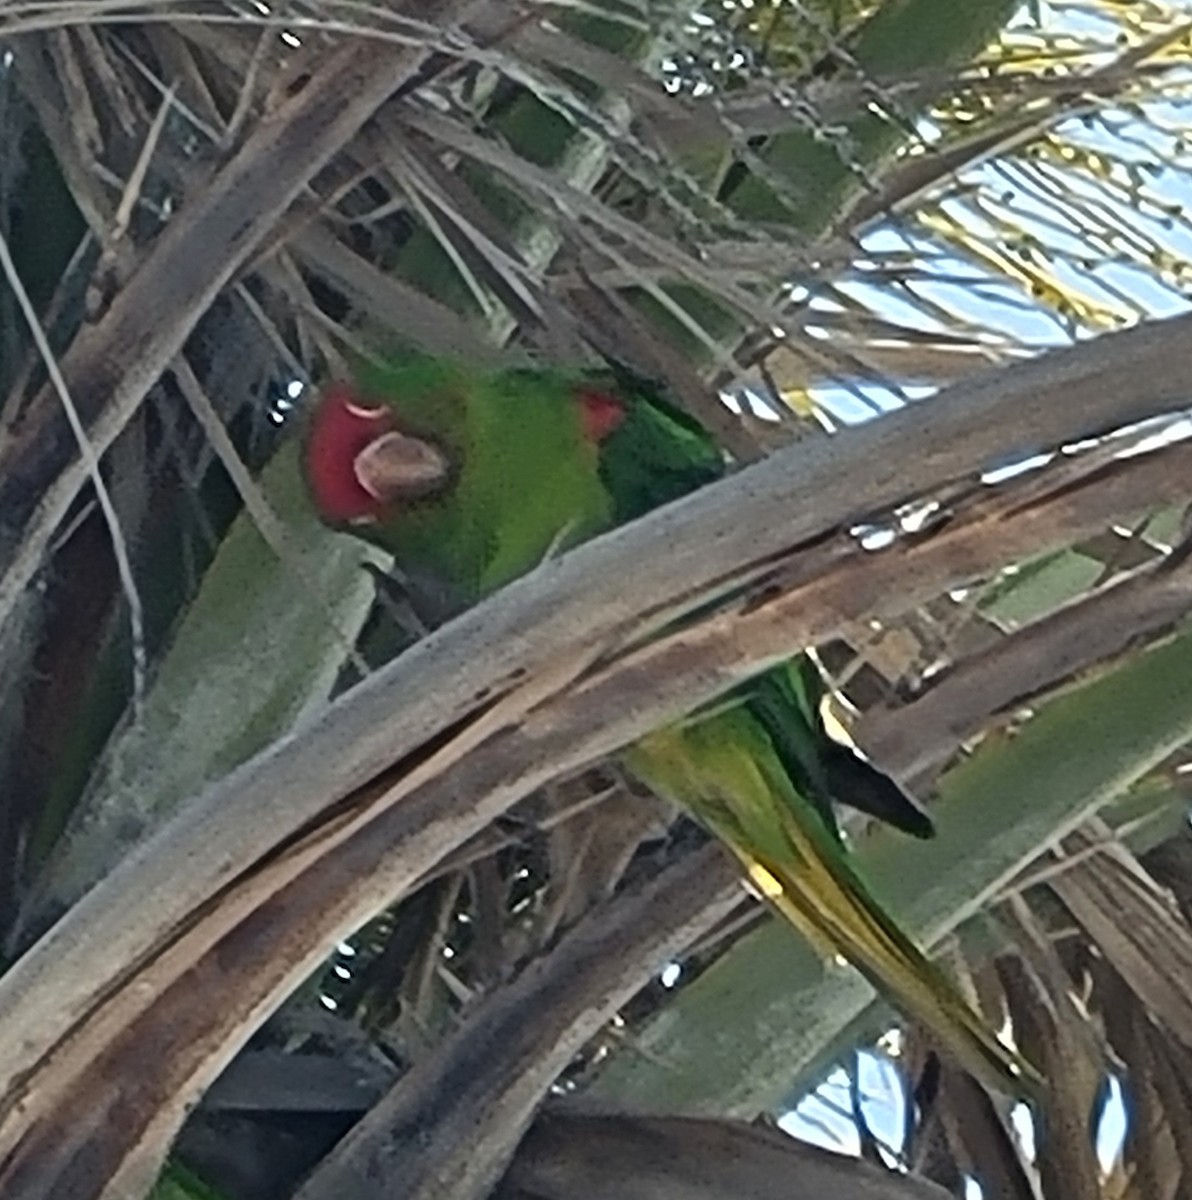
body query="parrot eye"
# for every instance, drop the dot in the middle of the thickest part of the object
(395, 466)
(600, 413)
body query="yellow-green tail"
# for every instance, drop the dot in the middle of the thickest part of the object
(723, 768)
(840, 918)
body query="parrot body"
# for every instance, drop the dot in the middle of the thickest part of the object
(474, 478)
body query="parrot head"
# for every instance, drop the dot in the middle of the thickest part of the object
(360, 465)
(471, 476)
(362, 462)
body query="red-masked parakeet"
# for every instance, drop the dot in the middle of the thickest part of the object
(471, 478)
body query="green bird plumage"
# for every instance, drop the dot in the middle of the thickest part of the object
(471, 478)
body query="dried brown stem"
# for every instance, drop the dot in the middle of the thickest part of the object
(130, 1061)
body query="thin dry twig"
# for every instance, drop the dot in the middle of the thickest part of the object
(90, 456)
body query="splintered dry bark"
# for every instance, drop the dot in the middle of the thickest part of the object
(110, 1032)
(141, 1056)
(927, 731)
(481, 1086)
(1135, 925)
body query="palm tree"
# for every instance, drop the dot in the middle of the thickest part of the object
(821, 210)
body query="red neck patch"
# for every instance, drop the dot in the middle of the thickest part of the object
(343, 425)
(600, 413)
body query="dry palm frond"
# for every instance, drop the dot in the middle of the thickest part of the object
(807, 204)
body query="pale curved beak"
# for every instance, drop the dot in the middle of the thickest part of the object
(396, 466)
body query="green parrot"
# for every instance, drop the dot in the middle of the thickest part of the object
(471, 478)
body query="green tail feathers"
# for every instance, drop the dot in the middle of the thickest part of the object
(725, 771)
(834, 912)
